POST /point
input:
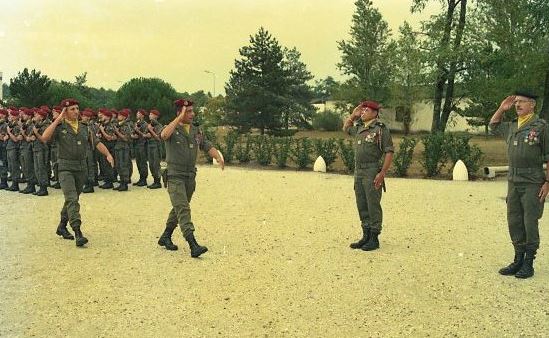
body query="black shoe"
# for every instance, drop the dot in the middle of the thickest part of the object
(156, 184)
(4, 184)
(80, 239)
(57, 185)
(87, 189)
(63, 231)
(43, 191)
(196, 250)
(363, 240)
(141, 183)
(116, 187)
(515, 266)
(527, 268)
(123, 187)
(106, 185)
(373, 242)
(166, 241)
(29, 189)
(14, 186)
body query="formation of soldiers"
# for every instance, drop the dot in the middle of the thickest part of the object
(25, 158)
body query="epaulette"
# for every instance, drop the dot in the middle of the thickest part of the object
(379, 123)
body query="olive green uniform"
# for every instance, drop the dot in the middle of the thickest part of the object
(72, 147)
(181, 152)
(106, 169)
(27, 160)
(141, 151)
(12, 149)
(3, 155)
(370, 144)
(153, 151)
(122, 152)
(40, 151)
(90, 157)
(528, 150)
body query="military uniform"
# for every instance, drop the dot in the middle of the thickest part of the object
(141, 153)
(371, 143)
(527, 150)
(153, 154)
(106, 169)
(90, 161)
(122, 155)
(12, 149)
(181, 153)
(3, 151)
(40, 151)
(27, 159)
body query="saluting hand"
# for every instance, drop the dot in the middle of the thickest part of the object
(543, 192)
(378, 180)
(507, 103)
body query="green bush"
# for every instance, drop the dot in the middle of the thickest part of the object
(434, 156)
(282, 148)
(403, 157)
(282, 132)
(231, 139)
(347, 154)
(263, 149)
(243, 149)
(302, 152)
(327, 149)
(327, 120)
(457, 148)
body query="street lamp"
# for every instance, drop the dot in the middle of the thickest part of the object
(213, 74)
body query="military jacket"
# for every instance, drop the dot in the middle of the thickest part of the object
(527, 149)
(37, 145)
(182, 150)
(16, 131)
(125, 129)
(157, 127)
(72, 146)
(370, 144)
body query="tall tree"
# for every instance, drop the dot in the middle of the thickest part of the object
(445, 32)
(366, 56)
(30, 88)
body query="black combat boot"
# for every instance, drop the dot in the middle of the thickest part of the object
(3, 184)
(363, 240)
(63, 231)
(527, 269)
(14, 186)
(156, 184)
(123, 187)
(88, 188)
(196, 250)
(373, 242)
(43, 191)
(57, 185)
(142, 182)
(106, 185)
(80, 239)
(166, 239)
(29, 189)
(515, 266)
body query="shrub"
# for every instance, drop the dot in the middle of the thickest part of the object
(243, 149)
(434, 155)
(282, 148)
(403, 157)
(263, 149)
(457, 148)
(327, 149)
(327, 120)
(231, 139)
(347, 154)
(302, 152)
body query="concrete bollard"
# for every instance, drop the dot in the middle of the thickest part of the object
(215, 161)
(460, 172)
(320, 165)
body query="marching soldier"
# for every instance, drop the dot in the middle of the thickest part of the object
(153, 147)
(527, 184)
(372, 142)
(107, 136)
(72, 139)
(39, 151)
(53, 151)
(182, 141)
(140, 130)
(86, 117)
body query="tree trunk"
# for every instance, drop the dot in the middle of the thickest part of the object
(544, 113)
(449, 99)
(442, 76)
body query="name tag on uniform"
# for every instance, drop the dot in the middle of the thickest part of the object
(79, 142)
(515, 143)
(359, 142)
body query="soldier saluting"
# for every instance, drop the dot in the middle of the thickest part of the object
(372, 142)
(527, 140)
(72, 139)
(183, 140)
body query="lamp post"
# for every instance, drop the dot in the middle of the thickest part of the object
(213, 74)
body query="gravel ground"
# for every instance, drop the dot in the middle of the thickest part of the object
(279, 263)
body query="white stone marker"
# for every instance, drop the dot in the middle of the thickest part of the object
(460, 172)
(320, 165)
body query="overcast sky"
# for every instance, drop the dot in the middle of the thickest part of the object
(176, 40)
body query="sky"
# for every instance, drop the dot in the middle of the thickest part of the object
(175, 40)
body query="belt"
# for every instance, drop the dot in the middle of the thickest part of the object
(521, 171)
(370, 165)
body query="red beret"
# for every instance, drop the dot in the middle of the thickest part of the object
(69, 102)
(106, 113)
(370, 104)
(14, 112)
(124, 112)
(88, 113)
(154, 112)
(29, 112)
(46, 108)
(183, 103)
(3, 112)
(142, 112)
(57, 108)
(114, 111)
(42, 112)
